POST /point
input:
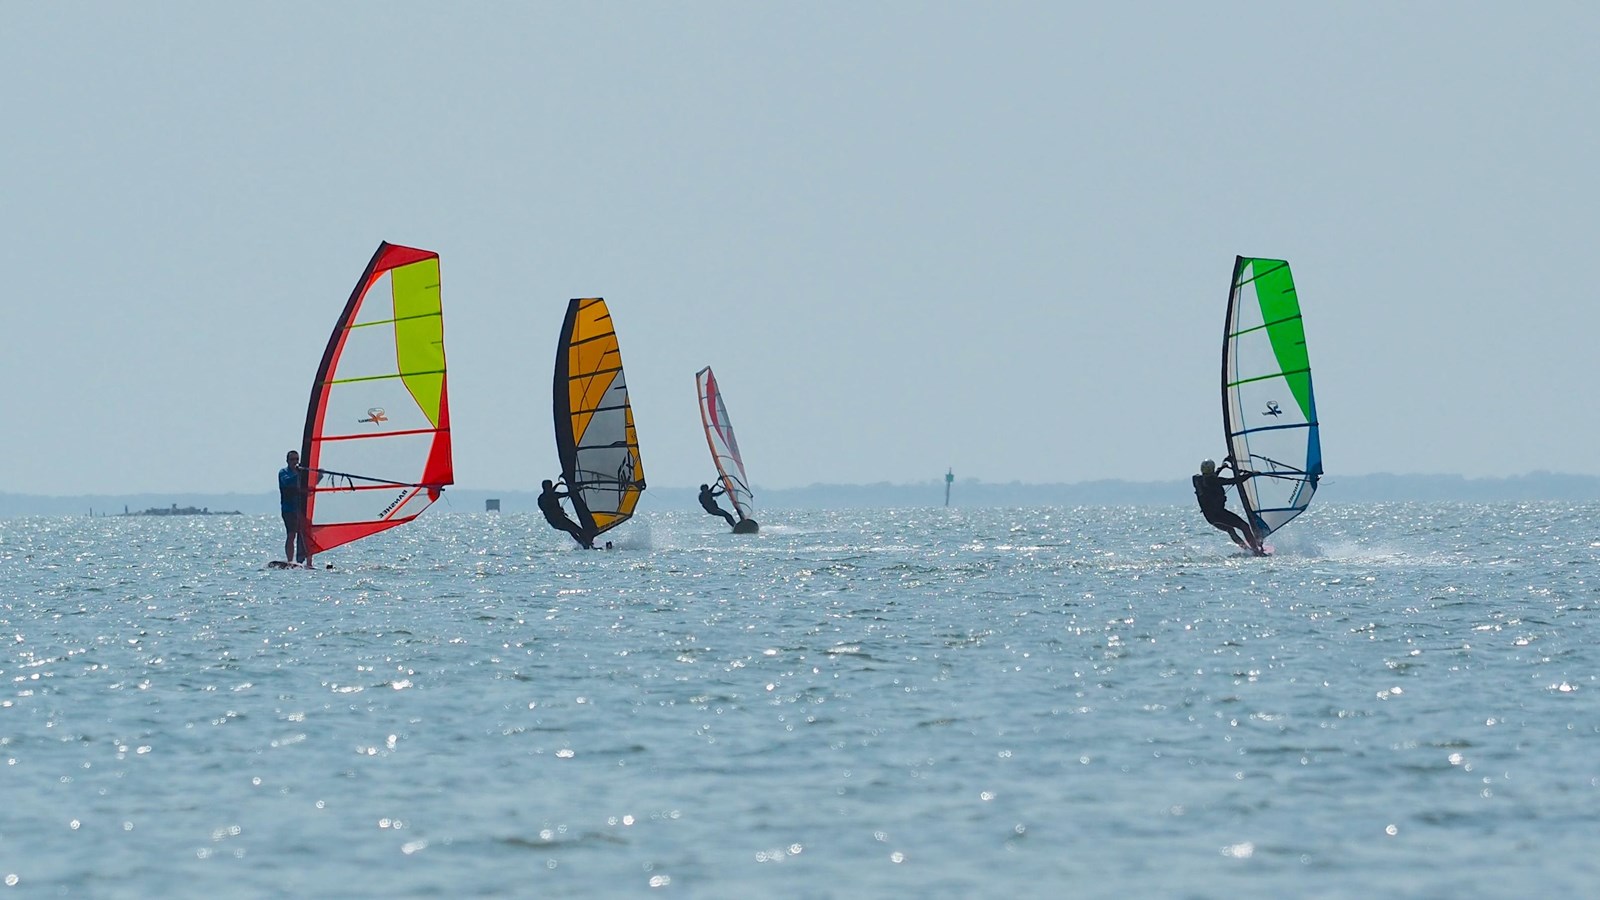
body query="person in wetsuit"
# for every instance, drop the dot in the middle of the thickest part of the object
(708, 502)
(550, 505)
(292, 501)
(1211, 490)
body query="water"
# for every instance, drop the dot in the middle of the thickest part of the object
(913, 703)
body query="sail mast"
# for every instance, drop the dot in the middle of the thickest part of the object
(1228, 424)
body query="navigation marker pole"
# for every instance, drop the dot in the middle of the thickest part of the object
(949, 478)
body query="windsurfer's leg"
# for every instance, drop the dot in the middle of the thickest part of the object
(584, 539)
(576, 530)
(1250, 539)
(725, 514)
(1226, 521)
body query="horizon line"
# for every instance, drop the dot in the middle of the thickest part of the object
(1326, 480)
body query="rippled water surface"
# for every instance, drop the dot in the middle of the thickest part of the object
(908, 703)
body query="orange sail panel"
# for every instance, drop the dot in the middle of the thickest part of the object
(595, 438)
(377, 438)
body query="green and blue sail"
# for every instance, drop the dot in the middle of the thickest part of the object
(1269, 410)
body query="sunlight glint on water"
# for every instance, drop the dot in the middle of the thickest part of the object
(852, 703)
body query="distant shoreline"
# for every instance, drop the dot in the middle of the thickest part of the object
(970, 492)
(173, 510)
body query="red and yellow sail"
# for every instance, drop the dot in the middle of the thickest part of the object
(377, 437)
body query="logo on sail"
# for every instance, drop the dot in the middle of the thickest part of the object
(390, 508)
(1272, 409)
(375, 415)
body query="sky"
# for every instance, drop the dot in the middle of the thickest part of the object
(993, 237)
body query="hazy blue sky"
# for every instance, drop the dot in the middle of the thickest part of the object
(906, 235)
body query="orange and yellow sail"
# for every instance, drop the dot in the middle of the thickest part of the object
(595, 437)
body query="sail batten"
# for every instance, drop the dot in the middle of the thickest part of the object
(1266, 372)
(1268, 428)
(595, 436)
(379, 411)
(1266, 325)
(1280, 374)
(724, 446)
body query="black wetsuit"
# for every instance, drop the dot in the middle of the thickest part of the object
(1210, 491)
(292, 500)
(550, 505)
(708, 503)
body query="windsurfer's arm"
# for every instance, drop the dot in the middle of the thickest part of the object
(1239, 474)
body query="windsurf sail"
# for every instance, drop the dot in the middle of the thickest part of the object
(377, 438)
(595, 438)
(1269, 412)
(724, 448)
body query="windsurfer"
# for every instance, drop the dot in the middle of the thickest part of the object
(708, 502)
(292, 500)
(1209, 489)
(550, 505)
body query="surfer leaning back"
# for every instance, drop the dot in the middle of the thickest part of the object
(550, 505)
(708, 502)
(1210, 491)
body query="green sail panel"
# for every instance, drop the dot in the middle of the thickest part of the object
(1269, 410)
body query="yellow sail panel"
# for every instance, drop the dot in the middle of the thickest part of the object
(419, 334)
(594, 362)
(595, 436)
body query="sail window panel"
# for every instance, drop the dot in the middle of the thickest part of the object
(374, 407)
(370, 352)
(1247, 309)
(393, 457)
(376, 305)
(376, 503)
